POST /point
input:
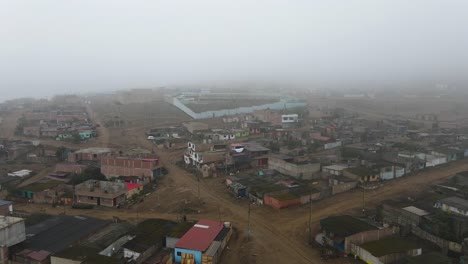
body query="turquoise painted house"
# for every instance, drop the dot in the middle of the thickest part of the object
(86, 135)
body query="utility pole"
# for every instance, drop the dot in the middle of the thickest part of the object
(363, 199)
(198, 186)
(310, 218)
(248, 223)
(157, 193)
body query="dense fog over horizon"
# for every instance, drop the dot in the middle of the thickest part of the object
(53, 46)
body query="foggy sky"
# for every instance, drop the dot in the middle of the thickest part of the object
(61, 46)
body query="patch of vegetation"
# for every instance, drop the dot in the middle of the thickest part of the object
(21, 123)
(60, 153)
(88, 174)
(408, 146)
(292, 144)
(40, 186)
(76, 139)
(349, 153)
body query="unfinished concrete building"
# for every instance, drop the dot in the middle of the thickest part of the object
(143, 170)
(103, 193)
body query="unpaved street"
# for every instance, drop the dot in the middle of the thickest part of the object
(276, 236)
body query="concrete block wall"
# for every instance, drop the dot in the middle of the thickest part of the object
(71, 168)
(344, 187)
(305, 171)
(113, 167)
(369, 236)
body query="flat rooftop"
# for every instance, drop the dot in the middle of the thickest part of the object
(415, 210)
(336, 167)
(345, 225)
(86, 254)
(94, 150)
(389, 245)
(148, 233)
(61, 231)
(455, 202)
(4, 202)
(200, 236)
(6, 221)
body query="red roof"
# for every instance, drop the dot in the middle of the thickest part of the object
(319, 137)
(153, 159)
(131, 186)
(200, 236)
(39, 255)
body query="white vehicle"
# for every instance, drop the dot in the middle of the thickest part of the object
(150, 138)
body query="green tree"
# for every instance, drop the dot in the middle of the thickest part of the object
(60, 153)
(88, 174)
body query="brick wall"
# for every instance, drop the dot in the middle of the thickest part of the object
(444, 244)
(73, 157)
(4, 210)
(369, 236)
(280, 204)
(336, 189)
(308, 197)
(114, 167)
(71, 168)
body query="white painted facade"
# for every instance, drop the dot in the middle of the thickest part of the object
(292, 118)
(283, 103)
(129, 254)
(332, 145)
(12, 230)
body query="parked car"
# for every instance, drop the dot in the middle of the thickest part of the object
(150, 138)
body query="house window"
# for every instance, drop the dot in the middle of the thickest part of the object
(91, 198)
(179, 253)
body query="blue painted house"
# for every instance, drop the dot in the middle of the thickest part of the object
(336, 230)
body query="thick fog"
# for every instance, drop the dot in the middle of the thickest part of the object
(87, 45)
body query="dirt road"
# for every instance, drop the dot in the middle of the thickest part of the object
(282, 236)
(276, 236)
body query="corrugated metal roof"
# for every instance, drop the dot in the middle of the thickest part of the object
(200, 236)
(213, 249)
(3, 202)
(416, 211)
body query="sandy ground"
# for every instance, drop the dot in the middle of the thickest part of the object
(276, 236)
